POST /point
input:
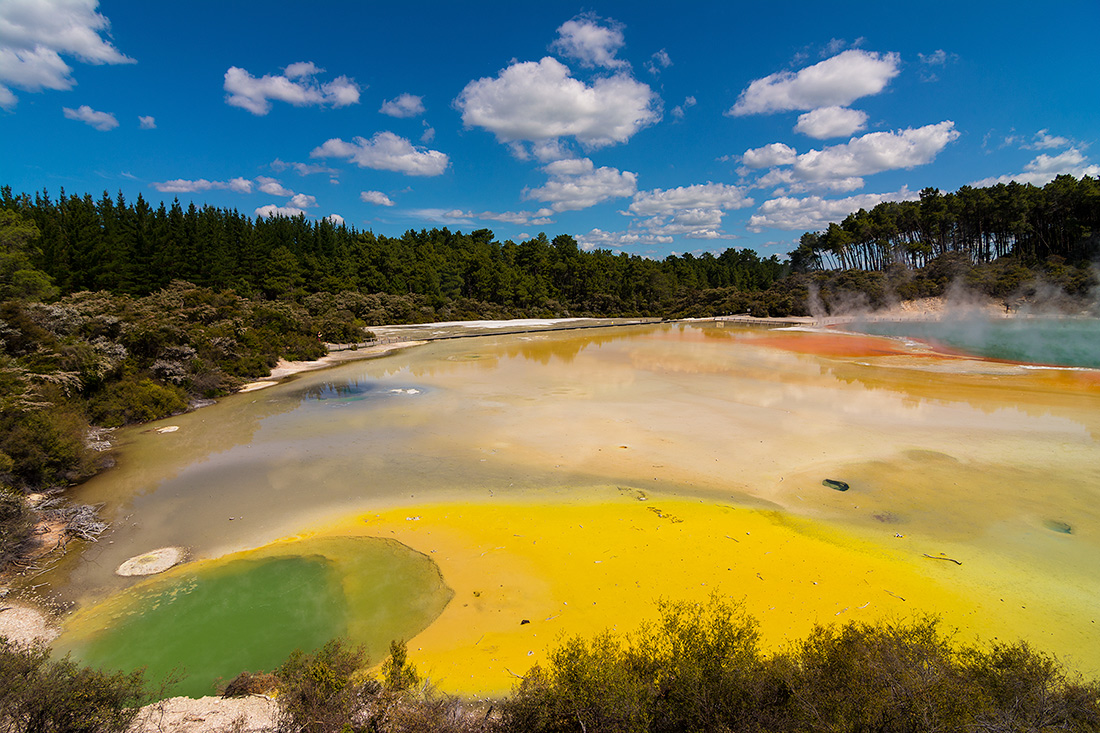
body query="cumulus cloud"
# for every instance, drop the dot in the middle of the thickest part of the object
(694, 211)
(769, 156)
(386, 152)
(336, 219)
(785, 178)
(834, 82)
(297, 85)
(273, 187)
(302, 201)
(375, 197)
(405, 105)
(590, 41)
(599, 238)
(539, 100)
(99, 120)
(147, 123)
(183, 185)
(272, 210)
(812, 213)
(700, 196)
(577, 184)
(827, 122)
(35, 33)
(876, 152)
(1044, 168)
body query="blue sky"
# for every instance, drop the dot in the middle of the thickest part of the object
(644, 127)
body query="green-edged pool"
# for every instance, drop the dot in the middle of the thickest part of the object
(211, 620)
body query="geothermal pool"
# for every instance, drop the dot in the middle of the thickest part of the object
(450, 493)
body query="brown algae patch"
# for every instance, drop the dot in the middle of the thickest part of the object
(581, 568)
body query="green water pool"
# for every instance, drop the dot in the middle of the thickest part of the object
(250, 610)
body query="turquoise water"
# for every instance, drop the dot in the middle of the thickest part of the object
(1071, 342)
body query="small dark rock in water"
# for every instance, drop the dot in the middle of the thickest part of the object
(835, 485)
(1055, 525)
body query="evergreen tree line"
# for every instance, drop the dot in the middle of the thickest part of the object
(1032, 224)
(135, 249)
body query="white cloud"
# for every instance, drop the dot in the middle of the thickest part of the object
(827, 122)
(183, 185)
(296, 86)
(1044, 168)
(535, 101)
(303, 201)
(690, 223)
(428, 135)
(813, 213)
(591, 43)
(147, 123)
(447, 217)
(1043, 140)
(302, 169)
(837, 81)
(599, 238)
(876, 152)
(386, 152)
(769, 156)
(936, 58)
(536, 218)
(34, 34)
(99, 120)
(405, 105)
(678, 111)
(375, 197)
(692, 211)
(336, 219)
(302, 70)
(700, 196)
(659, 60)
(785, 177)
(577, 184)
(272, 210)
(273, 187)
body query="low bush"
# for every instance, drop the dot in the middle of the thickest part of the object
(43, 695)
(319, 692)
(135, 400)
(16, 524)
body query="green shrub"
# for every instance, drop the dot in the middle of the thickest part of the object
(16, 524)
(41, 695)
(132, 400)
(317, 691)
(46, 446)
(398, 673)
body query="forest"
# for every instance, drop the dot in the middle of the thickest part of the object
(133, 249)
(1031, 224)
